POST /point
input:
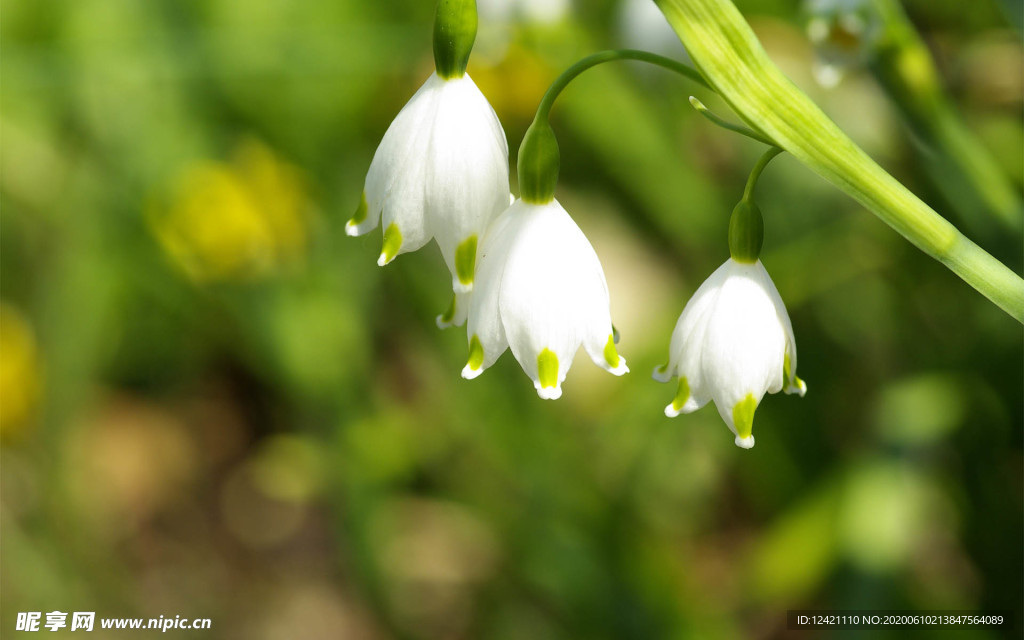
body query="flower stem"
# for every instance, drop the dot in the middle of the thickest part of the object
(724, 48)
(538, 163)
(755, 173)
(562, 81)
(746, 224)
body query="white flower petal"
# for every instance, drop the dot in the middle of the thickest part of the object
(441, 171)
(663, 373)
(744, 343)
(603, 352)
(456, 313)
(541, 291)
(484, 324)
(791, 383)
(553, 292)
(745, 443)
(797, 386)
(688, 339)
(403, 144)
(404, 210)
(733, 343)
(686, 399)
(466, 176)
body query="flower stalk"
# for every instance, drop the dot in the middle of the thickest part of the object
(755, 173)
(725, 50)
(746, 225)
(538, 163)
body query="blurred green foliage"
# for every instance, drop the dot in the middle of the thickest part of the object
(216, 405)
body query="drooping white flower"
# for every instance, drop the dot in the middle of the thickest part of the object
(441, 171)
(732, 344)
(540, 290)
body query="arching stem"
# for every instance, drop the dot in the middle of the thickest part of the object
(567, 76)
(755, 173)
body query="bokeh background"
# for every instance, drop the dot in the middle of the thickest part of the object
(216, 405)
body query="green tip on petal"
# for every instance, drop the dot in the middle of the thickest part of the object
(547, 368)
(799, 387)
(611, 356)
(743, 416)
(360, 215)
(682, 394)
(476, 353)
(465, 260)
(791, 383)
(392, 243)
(449, 314)
(661, 373)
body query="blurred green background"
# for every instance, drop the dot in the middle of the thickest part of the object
(216, 405)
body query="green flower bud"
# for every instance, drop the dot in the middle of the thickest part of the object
(538, 164)
(746, 232)
(454, 34)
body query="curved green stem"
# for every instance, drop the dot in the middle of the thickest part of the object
(746, 224)
(567, 76)
(728, 54)
(755, 173)
(539, 161)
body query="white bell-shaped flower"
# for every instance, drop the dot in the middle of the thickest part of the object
(441, 171)
(540, 290)
(732, 344)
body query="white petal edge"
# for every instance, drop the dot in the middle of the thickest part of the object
(466, 185)
(395, 151)
(745, 443)
(447, 320)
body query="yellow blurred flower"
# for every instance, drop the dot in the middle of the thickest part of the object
(516, 84)
(20, 375)
(235, 221)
